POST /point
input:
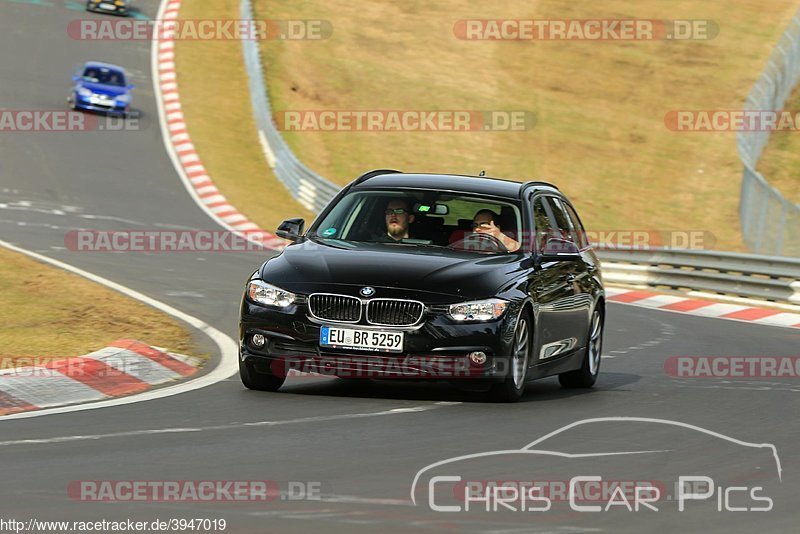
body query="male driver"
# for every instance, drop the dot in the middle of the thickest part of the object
(398, 218)
(485, 222)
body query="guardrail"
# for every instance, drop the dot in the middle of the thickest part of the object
(740, 275)
(309, 188)
(771, 278)
(766, 216)
(770, 223)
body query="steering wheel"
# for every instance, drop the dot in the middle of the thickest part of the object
(480, 243)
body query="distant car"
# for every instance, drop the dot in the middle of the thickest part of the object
(444, 298)
(117, 7)
(101, 87)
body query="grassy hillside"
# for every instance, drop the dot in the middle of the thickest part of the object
(600, 133)
(780, 161)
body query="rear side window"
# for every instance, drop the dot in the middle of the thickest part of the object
(544, 222)
(554, 218)
(560, 216)
(580, 237)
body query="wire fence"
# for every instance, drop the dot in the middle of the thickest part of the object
(770, 223)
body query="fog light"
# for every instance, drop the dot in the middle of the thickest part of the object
(477, 357)
(258, 340)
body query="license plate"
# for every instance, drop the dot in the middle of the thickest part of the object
(373, 340)
(111, 7)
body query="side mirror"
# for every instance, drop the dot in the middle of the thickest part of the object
(291, 229)
(131, 87)
(76, 78)
(557, 249)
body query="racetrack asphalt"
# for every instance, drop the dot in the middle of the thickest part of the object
(362, 441)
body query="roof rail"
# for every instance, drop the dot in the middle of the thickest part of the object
(534, 183)
(367, 175)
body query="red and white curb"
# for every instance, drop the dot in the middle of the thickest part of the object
(704, 308)
(123, 368)
(179, 144)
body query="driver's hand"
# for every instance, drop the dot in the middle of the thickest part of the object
(488, 228)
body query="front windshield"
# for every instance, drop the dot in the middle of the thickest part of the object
(419, 218)
(104, 76)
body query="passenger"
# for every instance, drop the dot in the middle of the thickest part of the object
(485, 222)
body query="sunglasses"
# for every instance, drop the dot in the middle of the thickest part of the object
(396, 211)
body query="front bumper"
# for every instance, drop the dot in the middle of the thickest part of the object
(113, 107)
(438, 349)
(107, 7)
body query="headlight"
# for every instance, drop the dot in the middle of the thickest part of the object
(85, 92)
(124, 99)
(478, 310)
(264, 293)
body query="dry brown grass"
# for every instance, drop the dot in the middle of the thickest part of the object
(49, 313)
(216, 103)
(780, 161)
(600, 134)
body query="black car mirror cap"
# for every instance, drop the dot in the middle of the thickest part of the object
(291, 229)
(557, 249)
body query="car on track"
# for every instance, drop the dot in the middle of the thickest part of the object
(443, 301)
(101, 87)
(117, 7)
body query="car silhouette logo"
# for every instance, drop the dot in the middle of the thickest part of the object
(367, 291)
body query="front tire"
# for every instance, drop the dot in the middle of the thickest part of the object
(586, 376)
(513, 386)
(252, 379)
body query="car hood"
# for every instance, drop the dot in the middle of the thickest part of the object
(313, 266)
(104, 89)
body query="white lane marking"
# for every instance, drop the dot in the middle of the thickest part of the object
(178, 430)
(227, 365)
(110, 218)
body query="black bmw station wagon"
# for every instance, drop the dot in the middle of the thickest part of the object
(430, 276)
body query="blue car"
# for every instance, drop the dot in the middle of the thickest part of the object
(101, 87)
